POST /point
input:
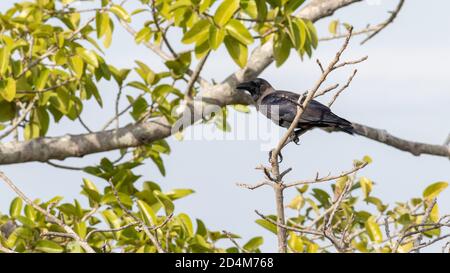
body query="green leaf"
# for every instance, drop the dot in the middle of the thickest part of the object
(147, 213)
(373, 230)
(179, 193)
(237, 51)
(31, 130)
(102, 23)
(366, 186)
(16, 207)
(297, 203)
(77, 65)
(143, 35)
(239, 32)
(108, 34)
(119, 75)
(281, 48)
(241, 108)
(367, 159)
(165, 201)
(433, 190)
(48, 247)
(377, 202)
(202, 47)
(216, 36)
(333, 27)
(253, 244)
(139, 85)
(187, 223)
(225, 11)
(434, 214)
(88, 56)
(313, 34)
(146, 73)
(268, 225)
(8, 89)
(201, 228)
(197, 32)
(261, 7)
(111, 218)
(7, 110)
(42, 80)
(159, 162)
(322, 196)
(204, 5)
(4, 59)
(292, 5)
(249, 7)
(295, 242)
(121, 13)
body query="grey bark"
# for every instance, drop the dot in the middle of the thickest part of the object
(61, 147)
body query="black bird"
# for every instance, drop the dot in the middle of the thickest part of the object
(281, 108)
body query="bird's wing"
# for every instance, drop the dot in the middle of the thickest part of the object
(280, 107)
(315, 114)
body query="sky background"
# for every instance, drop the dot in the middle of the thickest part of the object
(404, 87)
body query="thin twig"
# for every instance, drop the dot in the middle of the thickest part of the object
(326, 178)
(110, 230)
(194, 77)
(343, 88)
(387, 22)
(306, 231)
(119, 114)
(51, 88)
(252, 187)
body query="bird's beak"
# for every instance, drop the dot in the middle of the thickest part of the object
(245, 86)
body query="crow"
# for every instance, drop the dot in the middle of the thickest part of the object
(281, 107)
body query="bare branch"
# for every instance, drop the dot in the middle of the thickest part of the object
(252, 187)
(342, 88)
(387, 22)
(326, 178)
(415, 148)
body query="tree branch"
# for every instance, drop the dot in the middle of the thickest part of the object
(415, 148)
(44, 149)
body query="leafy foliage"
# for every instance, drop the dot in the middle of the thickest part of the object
(27, 230)
(51, 62)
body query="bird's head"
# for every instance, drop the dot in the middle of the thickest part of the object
(256, 87)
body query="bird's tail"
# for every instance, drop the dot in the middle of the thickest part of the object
(348, 128)
(337, 123)
(345, 126)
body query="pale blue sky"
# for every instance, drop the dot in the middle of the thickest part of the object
(404, 88)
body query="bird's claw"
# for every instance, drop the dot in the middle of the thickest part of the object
(296, 140)
(279, 155)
